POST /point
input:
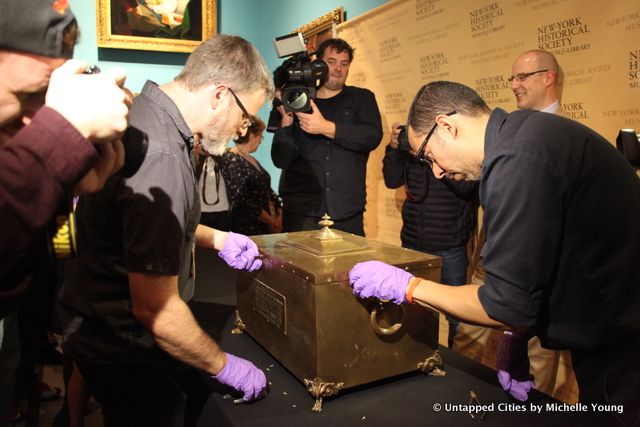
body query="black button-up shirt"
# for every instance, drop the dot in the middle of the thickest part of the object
(562, 220)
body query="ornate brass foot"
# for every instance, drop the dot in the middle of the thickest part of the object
(320, 389)
(240, 326)
(433, 365)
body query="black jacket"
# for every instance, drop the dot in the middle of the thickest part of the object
(436, 215)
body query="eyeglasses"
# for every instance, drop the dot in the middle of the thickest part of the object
(420, 153)
(246, 120)
(520, 77)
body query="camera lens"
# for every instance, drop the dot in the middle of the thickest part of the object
(135, 144)
(297, 99)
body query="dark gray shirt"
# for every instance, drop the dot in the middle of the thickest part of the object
(143, 224)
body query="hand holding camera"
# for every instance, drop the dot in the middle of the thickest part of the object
(396, 128)
(314, 122)
(399, 139)
(95, 104)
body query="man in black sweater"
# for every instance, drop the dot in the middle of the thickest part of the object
(437, 215)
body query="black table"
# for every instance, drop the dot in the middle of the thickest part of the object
(412, 399)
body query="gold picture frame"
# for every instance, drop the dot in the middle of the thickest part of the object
(154, 24)
(322, 28)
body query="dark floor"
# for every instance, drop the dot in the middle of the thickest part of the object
(41, 414)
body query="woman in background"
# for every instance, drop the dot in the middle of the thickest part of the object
(254, 208)
(214, 204)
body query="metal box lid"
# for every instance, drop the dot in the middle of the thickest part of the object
(321, 258)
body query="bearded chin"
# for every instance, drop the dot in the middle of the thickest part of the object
(333, 85)
(214, 147)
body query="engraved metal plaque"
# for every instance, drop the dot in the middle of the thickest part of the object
(270, 305)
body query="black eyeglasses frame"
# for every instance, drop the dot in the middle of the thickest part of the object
(247, 122)
(520, 77)
(419, 156)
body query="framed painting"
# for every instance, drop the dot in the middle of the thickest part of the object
(158, 25)
(322, 28)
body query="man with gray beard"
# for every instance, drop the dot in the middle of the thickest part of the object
(124, 307)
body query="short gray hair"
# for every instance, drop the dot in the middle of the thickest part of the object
(229, 60)
(442, 97)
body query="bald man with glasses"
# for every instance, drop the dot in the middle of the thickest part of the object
(534, 81)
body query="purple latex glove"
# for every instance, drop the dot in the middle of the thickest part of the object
(380, 280)
(243, 376)
(241, 253)
(513, 366)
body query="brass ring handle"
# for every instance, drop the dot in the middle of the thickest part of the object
(385, 331)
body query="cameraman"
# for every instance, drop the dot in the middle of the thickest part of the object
(323, 154)
(437, 215)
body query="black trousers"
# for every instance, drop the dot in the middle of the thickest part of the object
(610, 379)
(134, 395)
(297, 222)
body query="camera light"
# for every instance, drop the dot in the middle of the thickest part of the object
(289, 45)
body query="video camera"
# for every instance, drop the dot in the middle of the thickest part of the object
(298, 77)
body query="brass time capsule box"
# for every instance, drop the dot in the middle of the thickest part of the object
(300, 307)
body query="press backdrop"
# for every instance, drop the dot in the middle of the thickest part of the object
(404, 44)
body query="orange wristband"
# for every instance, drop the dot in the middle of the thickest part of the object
(412, 287)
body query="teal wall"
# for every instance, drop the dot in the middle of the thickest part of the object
(258, 21)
